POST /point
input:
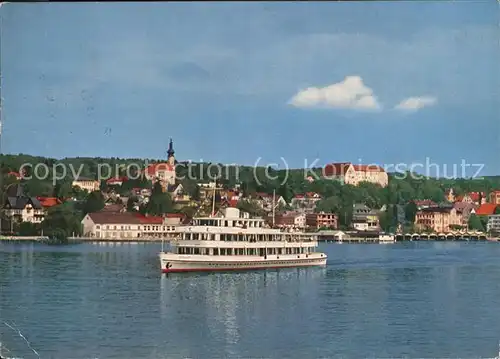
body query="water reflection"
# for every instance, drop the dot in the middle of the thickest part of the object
(225, 305)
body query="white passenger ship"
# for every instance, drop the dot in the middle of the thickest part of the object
(234, 241)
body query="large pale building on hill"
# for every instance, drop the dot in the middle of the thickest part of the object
(349, 173)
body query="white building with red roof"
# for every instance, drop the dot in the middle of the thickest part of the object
(120, 225)
(349, 173)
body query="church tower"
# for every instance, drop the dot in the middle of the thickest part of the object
(170, 153)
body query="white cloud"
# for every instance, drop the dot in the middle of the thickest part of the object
(351, 93)
(416, 103)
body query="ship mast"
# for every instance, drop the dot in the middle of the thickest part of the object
(274, 206)
(213, 199)
(1, 177)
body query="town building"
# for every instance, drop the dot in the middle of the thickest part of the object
(265, 201)
(141, 192)
(49, 202)
(426, 203)
(290, 220)
(473, 197)
(164, 172)
(438, 219)
(449, 195)
(86, 184)
(19, 207)
(465, 209)
(207, 190)
(305, 202)
(364, 218)
(116, 181)
(348, 173)
(230, 198)
(493, 224)
(179, 196)
(486, 209)
(128, 226)
(322, 220)
(16, 175)
(494, 197)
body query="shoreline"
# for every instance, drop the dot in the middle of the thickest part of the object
(352, 240)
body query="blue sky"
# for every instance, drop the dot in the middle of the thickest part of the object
(375, 82)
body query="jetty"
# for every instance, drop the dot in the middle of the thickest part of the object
(379, 237)
(354, 237)
(24, 238)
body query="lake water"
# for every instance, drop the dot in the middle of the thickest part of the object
(417, 300)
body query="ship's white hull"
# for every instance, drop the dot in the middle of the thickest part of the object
(171, 262)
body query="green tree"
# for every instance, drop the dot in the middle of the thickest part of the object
(329, 205)
(103, 186)
(475, 223)
(411, 211)
(94, 202)
(251, 207)
(62, 189)
(62, 221)
(385, 221)
(35, 187)
(497, 210)
(159, 202)
(28, 229)
(285, 191)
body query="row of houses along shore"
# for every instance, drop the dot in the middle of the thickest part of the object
(114, 222)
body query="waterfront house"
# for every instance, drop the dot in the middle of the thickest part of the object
(438, 219)
(22, 208)
(128, 226)
(322, 220)
(364, 218)
(348, 173)
(493, 224)
(86, 184)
